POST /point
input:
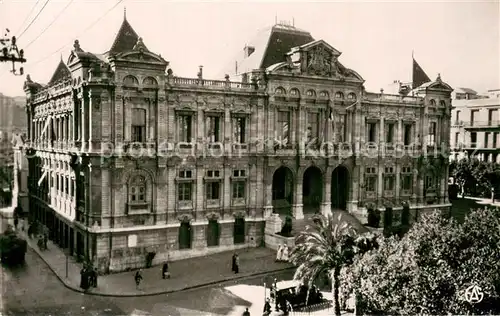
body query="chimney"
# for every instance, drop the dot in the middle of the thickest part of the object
(248, 50)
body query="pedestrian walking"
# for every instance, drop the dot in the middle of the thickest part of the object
(233, 264)
(138, 279)
(236, 264)
(164, 271)
(246, 312)
(93, 276)
(16, 221)
(267, 307)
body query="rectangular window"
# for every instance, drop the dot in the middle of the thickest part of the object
(457, 138)
(389, 179)
(473, 139)
(312, 126)
(185, 191)
(371, 179)
(407, 134)
(492, 117)
(138, 125)
(406, 178)
(239, 189)
(239, 126)
(184, 127)
(212, 192)
(486, 140)
(185, 174)
(429, 182)
(431, 140)
(457, 117)
(372, 131)
(283, 128)
(239, 173)
(495, 136)
(389, 133)
(473, 116)
(213, 130)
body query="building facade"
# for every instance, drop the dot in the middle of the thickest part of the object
(475, 129)
(128, 159)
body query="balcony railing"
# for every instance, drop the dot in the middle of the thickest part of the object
(492, 123)
(217, 84)
(392, 98)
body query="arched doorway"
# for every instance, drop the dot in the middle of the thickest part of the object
(340, 188)
(312, 189)
(283, 190)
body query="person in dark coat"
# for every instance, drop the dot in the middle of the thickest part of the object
(233, 264)
(93, 276)
(246, 312)
(84, 280)
(164, 271)
(267, 308)
(138, 278)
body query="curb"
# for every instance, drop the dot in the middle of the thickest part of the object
(192, 287)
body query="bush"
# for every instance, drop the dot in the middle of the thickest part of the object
(12, 248)
(374, 218)
(286, 230)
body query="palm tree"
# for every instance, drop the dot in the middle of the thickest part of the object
(326, 247)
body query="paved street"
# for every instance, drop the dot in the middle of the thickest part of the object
(35, 290)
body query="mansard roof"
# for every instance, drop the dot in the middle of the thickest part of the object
(271, 45)
(125, 40)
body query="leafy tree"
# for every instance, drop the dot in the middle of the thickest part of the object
(326, 247)
(427, 271)
(462, 172)
(488, 175)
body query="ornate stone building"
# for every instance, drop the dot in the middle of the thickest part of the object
(128, 159)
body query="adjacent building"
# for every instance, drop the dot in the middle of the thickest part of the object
(126, 158)
(475, 129)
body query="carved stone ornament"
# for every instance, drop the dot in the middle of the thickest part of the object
(185, 218)
(213, 216)
(97, 102)
(239, 214)
(320, 62)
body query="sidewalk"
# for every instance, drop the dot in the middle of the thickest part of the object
(186, 274)
(484, 201)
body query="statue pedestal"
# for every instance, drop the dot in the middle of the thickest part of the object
(273, 224)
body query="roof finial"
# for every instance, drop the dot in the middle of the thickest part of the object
(125, 13)
(276, 19)
(61, 57)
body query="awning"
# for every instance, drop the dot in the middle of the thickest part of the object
(42, 177)
(47, 123)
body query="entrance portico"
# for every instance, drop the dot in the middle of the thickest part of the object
(311, 190)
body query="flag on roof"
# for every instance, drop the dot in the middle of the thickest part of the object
(419, 75)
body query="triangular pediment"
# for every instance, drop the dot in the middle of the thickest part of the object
(142, 56)
(320, 45)
(439, 85)
(62, 72)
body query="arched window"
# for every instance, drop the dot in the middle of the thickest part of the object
(185, 236)
(130, 81)
(323, 94)
(442, 103)
(311, 93)
(138, 189)
(294, 92)
(339, 95)
(213, 233)
(351, 96)
(149, 81)
(433, 102)
(280, 91)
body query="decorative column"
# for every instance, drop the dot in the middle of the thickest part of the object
(297, 207)
(268, 204)
(326, 204)
(352, 203)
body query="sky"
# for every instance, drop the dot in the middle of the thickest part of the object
(458, 39)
